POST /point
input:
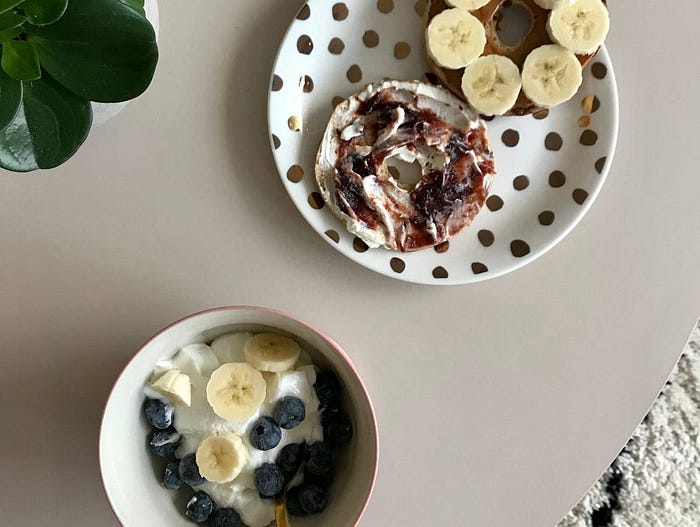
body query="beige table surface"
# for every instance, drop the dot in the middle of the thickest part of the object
(499, 403)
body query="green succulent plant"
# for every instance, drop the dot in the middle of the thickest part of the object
(57, 57)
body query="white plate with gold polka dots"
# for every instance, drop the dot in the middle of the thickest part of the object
(550, 168)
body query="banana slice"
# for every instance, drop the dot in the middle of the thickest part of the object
(553, 4)
(492, 84)
(455, 38)
(551, 75)
(271, 352)
(467, 5)
(581, 27)
(175, 385)
(235, 391)
(221, 458)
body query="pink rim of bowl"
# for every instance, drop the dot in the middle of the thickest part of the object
(372, 422)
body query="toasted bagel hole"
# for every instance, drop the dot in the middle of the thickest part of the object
(513, 22)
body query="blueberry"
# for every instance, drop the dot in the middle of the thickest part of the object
(265, 434)
(171, 476)
(225, 518)
(289, 412)
(322, 480)
(312, 498)
(158, 413)
(293, 505)
(327, 388)
(338, 430)
(328, 413)
(290, 458)
(189, 471)
(320, 458)
(164, 442)
(199, 507)
(269, 479)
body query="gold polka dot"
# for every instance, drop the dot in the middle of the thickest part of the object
(336, 101)
(371, 38)
(294, 123)
(494, 203)
(333, 235)
(521, 183)
(397, 265)
(354, 74)
(307, 84)
(340, 11)
(305, 45)
(599, 70)
(402, 50)
(486, 237)
(479, 268)
(304, 12)
(546, 218)
(420, 7)
(553, 141)
(440, 273)
(580, 196)
(519, 248)
(276, 141)
(600, 164)
(584, 121)
(541, 114)
(588, 138)
(590, 104)
(359, 245)
(336, 46)
(557, 179)
(385, 6)
(295, 174)
(315, 200)
(395, 173)
(442, 247)
(277, 83)
(510, 137)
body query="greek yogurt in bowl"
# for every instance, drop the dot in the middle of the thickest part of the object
(147, 489)
(196, 422)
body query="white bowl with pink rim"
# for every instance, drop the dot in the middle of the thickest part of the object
(130, 479)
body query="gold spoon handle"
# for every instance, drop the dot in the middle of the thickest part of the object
(281, 512)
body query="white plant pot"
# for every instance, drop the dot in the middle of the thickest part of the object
(103, 112)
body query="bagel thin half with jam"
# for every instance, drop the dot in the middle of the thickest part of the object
(412, 121)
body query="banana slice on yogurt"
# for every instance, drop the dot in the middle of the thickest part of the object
(271, 352)
(174, 385)
(235, 391)
(221, 457)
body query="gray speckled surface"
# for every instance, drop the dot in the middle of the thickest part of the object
(656, 478)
